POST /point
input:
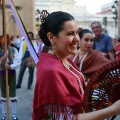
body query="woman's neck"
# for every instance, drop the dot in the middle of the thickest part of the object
(81, 51)
(97, 37)
(62, 57)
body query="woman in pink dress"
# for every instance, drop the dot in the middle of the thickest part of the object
(60, 85)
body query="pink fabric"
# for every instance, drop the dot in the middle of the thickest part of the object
(55, 84)
(93, 61)
(118, 49)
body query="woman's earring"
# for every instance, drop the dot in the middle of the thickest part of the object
(52, 45)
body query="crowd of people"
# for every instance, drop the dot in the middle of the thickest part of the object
(68, 57)
(15, 57)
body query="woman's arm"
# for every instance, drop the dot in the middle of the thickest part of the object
(101, 114)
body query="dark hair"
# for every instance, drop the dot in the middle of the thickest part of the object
(84, 31)
(53, 23)
(80, 29)
(31, 34)
(18, 36)
(95, 23)
(12, 37)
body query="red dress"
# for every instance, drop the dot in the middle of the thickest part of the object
(57, 90)
(118, 49)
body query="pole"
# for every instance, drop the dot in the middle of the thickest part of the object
(4, 31)
(115, 26)
(2, 18)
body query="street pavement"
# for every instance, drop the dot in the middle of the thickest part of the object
(25, 99)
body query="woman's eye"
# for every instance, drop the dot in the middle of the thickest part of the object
(86, 40)
(71, 33)
(91, 40)
(77, 32)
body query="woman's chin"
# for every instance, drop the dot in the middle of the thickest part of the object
(74, 52)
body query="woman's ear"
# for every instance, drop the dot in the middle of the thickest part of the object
(50, 37)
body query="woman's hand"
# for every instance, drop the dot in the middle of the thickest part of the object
(7, 66)
(100, 114)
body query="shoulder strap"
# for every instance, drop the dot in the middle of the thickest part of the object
(75, 56)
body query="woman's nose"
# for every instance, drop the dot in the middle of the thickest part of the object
(89, 42)
(77, 38)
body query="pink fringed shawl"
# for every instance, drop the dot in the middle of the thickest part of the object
(57, 91)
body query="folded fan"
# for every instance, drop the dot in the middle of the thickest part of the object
(103, 88)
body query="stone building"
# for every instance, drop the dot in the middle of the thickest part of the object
(112, 9)
(27, 9)
(119, 18)
(84, 21)
(27, 12)
(80, 13)
(63, 5)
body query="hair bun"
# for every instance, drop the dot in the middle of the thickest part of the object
(43, 15)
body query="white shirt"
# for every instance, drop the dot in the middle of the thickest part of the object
(21, 49)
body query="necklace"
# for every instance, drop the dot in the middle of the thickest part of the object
(78, 79)
(68, 65)
(82, 52)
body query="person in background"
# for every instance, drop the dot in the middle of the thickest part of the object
(40, 44)
(117, 49)
(79, 29)
(18, 42)
(60, 85)
(12, 39)
(114, 41)
(87, 59)
(23, 55)
(12, 42)
(22, 38)
(102, 42)
(12, 63)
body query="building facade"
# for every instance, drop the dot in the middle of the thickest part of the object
(84, 21)
(60, 5)
(119, 18)
(80, 13)
(112, 10)
(26, 9)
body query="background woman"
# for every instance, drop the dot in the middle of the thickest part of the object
(87, 59)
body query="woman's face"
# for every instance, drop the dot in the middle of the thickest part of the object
(86, 42)
(67, 40)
